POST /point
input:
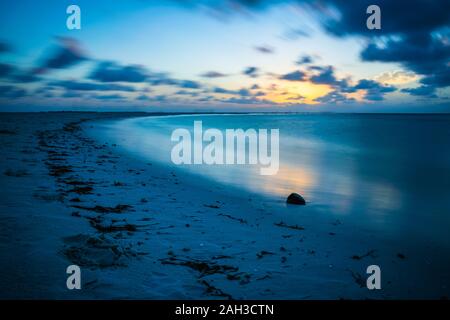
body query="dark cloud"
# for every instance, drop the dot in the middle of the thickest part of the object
(244, 92)
(187, 93)
(159, 98)
(371, 85)
(13, 74)
(296, 99)
(189, 84)
(294, 76)
(251, 72)
(70, 94)
(5, 70)
(67, 54)
(265, 49)
(143, 97)
(325, 76)
(24, 77)
(213, 74)
(206, 99)
(223, 90)
(440, 78)
(109, 97)
(305, 59)
(249, 100)
(45, 92)
(421, 53)
(374, 90)
(241, 92)
(295, 33)
(334, 97)
(91, 86)
(398, 17)
(162, 80)
(11, 92)
(4, 47)
(112, 72)
(425, 91)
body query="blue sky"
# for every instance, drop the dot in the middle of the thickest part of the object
(233, 55)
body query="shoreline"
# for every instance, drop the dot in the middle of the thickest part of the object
(140, 230)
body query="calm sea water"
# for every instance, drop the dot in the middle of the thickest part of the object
(387, 171)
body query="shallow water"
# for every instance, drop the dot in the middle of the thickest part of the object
(385, 172)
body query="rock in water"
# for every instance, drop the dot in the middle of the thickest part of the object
(295, 198)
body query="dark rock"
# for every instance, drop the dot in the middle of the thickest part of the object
(295, 198)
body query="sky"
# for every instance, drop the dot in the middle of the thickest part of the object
(225, 55)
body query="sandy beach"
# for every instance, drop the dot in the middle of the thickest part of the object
(141, 230)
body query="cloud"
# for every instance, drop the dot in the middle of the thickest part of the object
(396, 77)
(143, 97)
(251, 72)
(23, 77)
(187, 93)
(109, 97)
(111, 72)
(5, 70)
(414, 34)
(162, 79)
(243, 92)
(249, 100)
(159, 98)
(294, 76)
(70, 94)
(90, 86)
(189, 84)
(423, 54)
(440, 78)
(13, 74)
(265, 49)
(305, 59)
(11, 92)
(213, 74)
(425, 91)
(335, 98)
(325, 76)
(67, 54)
(222, 90)
(374, 90)
(4, 47)
(296, 99)
(398, 17)
(295, 33)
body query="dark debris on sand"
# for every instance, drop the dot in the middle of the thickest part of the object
(97, 251)
(370, 253)
(120, 208)
(284, 225)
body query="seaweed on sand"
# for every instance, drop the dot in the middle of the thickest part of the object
(101, 209)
